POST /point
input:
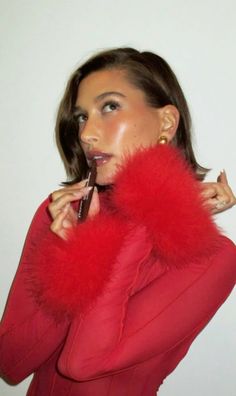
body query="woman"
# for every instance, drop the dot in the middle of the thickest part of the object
(111, 305)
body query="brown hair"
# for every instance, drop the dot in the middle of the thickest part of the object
(146, 71)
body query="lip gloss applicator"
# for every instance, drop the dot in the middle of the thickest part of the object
(84, 203)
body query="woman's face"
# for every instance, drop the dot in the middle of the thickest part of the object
(114, 120)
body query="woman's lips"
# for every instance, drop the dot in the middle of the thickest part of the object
(99, 157)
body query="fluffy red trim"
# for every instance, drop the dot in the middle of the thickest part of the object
(155, 189)
(68, 275)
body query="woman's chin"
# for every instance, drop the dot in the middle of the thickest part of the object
(104, 179)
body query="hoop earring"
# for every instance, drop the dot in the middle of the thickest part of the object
(163, 140)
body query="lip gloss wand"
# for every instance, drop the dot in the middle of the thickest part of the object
(84, 203)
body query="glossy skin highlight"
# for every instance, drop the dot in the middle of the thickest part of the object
(115, 119)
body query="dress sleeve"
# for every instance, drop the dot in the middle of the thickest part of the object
(27, 336)
(121, 332)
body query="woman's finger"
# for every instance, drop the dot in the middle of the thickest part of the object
(208, 190)
(222, 178)
(218, 196)
(59, 201)
(60, 225)
(214, 190)
(230, 194)
(70, 189)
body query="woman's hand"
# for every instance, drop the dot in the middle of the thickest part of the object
(218, 196)
(63, 214)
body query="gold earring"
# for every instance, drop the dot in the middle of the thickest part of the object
(163, 140)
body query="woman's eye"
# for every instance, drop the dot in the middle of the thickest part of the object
(81, 118)
(111, 106)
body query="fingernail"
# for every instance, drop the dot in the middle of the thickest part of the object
(87, 189)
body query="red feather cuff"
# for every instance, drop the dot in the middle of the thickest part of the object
(67, 276)
(158, 189)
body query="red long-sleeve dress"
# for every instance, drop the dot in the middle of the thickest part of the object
(113, 310)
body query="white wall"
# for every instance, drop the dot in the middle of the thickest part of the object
(41, 42)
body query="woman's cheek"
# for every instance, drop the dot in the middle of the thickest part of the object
(119, 131)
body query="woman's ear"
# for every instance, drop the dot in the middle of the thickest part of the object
(169, 121)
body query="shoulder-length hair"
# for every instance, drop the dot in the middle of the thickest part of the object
(145, 70)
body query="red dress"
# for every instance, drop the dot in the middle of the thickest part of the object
(112, 311)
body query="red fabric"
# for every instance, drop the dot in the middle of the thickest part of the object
(113, 310)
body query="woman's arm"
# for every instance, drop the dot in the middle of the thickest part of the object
(119, 332)
(27, 335)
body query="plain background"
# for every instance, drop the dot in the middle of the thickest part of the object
(41, 42)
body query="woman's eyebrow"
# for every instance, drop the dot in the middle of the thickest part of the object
(104, 94)
(100, 97)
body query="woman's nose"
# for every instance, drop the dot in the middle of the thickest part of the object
(89, 132)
